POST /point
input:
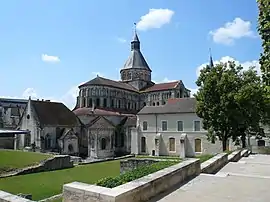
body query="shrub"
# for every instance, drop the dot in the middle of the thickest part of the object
(129, 176)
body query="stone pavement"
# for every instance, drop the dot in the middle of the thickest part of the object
(246, 180)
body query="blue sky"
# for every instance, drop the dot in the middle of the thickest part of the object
(49, 47)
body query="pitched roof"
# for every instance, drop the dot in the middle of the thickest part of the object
(136, 59)
(88, 111)
(162, 86)
(180, 105)
(54, 113)
(9, 102)
(100, 81)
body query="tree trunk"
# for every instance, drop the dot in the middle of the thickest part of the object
(243, 140)
(224, 144)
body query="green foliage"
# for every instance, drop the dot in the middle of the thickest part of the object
(204, 157)
(264, 31)
(231, 102)
(129, 176)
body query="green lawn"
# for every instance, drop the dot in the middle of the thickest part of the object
(10, 160)
(204, 157)
(46, 184)
(159, 157)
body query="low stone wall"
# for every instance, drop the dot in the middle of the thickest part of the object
(260, 149)
(245, 153)
(54, 163)
(214, 164)
(141, 189)
(84, 162)
(7, 197)
(131, 164)
(235, 156)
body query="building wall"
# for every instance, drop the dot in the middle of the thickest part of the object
(154, 131)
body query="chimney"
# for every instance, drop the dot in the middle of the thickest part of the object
(47, 100)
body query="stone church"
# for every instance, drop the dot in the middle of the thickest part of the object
(135, 90)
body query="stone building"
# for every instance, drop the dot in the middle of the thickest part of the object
(135, 90)
(52, 126)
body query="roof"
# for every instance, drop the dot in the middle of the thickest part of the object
(3, 131)
(131, 121)
(163, 86)
(100, 81)
(10, 102)
(54, 113)
(136, 59)
(180, 105)
(87, 111)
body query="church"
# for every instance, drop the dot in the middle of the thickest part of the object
(135, 90)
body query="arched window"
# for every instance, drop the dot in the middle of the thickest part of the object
(27, 140)
(48, 141)
(198, 145)
(119, 103)
(261, 143)
(171, 144)
(103, 144)
(104, 102)
(97, 102)
(83, 102)
(154, 104)
(157, 103)
(128, 105)
(112, 103)
(143, 144)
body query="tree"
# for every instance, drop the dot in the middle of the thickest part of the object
(264, 31)
(231, 102)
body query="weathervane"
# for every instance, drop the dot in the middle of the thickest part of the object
(135, 24)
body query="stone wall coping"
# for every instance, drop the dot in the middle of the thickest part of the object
(7, 197)
(233, 154)
(244, 152)
(119, 190)
(212, 160)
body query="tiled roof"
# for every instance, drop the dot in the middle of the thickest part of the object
(100, 81)
(181, 105)
(96, 111)
(162, 86)
(54, 113)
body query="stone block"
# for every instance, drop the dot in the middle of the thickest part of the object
(214, 164)
(234, 156)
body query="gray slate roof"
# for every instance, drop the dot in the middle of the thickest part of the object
(100, 81)
(183, 105)
(136, 59)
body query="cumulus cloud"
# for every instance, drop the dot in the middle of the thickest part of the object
(246, 64)
(231, 31)
(50, 58)
(155, 19)
(121, 40)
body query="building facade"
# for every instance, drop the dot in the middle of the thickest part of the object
(172, 129)
(135, 90)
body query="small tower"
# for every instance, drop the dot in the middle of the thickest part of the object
(136, 71)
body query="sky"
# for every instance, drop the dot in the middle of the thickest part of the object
(48, 48)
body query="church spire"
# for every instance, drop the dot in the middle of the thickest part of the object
(135, 43)
(211, 63)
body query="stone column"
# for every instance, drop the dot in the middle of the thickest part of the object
(134, 141)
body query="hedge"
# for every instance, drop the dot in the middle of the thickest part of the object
(129, 176)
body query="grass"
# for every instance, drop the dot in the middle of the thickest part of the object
(46, 184)
(159, 157)
(10, 160)
(204, 157)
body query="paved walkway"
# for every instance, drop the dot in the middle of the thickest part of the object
(246, 180)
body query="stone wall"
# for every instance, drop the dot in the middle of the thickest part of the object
(131, 164)
(261, 149)
(141, 189)
(235, 156)
(55, 163)
(7, 197)
(214, 164)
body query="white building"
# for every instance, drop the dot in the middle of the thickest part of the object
(172, 129)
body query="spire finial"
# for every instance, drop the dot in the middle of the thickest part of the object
(135, 30)
(211, 63)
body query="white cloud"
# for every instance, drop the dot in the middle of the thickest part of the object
(246, 65)
(154, 19)
(236, 29)
(30, 92)
(121, 40)
(50, 58)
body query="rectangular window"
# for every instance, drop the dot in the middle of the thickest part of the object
(164, 126)
(143, 144)
(172, 144)
(180, 126)
(197, 125)
(145, 125)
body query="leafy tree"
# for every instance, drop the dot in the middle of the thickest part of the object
(264, 31)
(230, 101)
